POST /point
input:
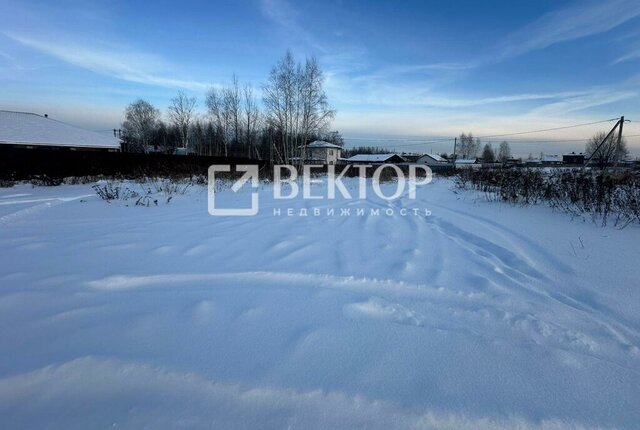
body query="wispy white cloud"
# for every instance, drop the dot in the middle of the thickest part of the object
(580, 19)
(284, 15)
(582, 101)
(6, 57)
(115, 62)
(337, 57)
(8, 62)
(634, 54)
(401, 95)
(401, 110)
(407, 97)
(415, 68)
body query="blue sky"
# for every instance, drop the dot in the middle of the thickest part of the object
(410, 68)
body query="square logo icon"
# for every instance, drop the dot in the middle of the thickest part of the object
(250, 173)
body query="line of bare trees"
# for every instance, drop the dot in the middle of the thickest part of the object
(292, 111)
(469, 147)
(604, 151)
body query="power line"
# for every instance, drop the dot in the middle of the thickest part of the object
(551, 129)
(413, 141)
(537, 140)
(494, 141)
(439, 140)
(528, 142)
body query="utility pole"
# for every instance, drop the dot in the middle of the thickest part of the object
(455, 142)
(618, 145)
(618, 124)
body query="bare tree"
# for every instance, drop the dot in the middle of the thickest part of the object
(279, 97)
(316, 113)
(182, 113)
(251, 119)
(608, 152)
(215, 106)
(296, 105)
(468, 145)
(232, 109)
(504, 152)
(141, 120)
(226, 111)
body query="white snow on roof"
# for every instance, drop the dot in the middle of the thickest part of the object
(466, 161)
(322, 144)
(551, 158)
(23, 128)
(373, 158)
(435, 157)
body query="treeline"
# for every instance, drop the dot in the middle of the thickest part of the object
(604, 150)
(292, 111)
(470, 147)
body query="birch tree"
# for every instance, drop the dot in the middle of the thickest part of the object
(504, 151)
(182, 114)
(468, 145)
(279, 97)
(232, 110)
(316, 114)
(215, 107)
(141, 121)
(251, 119)
(296, 105)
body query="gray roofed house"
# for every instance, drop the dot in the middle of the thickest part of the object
(409, 157)
(24, 129)
(431, 160)
(467, 163)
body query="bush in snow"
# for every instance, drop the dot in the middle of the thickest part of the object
(151, 189)
(109, 191)
(168, 187)
(601, 196)
(79, 180)
(44, 181)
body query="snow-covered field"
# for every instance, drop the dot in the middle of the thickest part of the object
(481, 315)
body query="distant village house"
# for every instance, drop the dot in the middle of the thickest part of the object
(431, 160)
(573, 158)
(321, 152)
